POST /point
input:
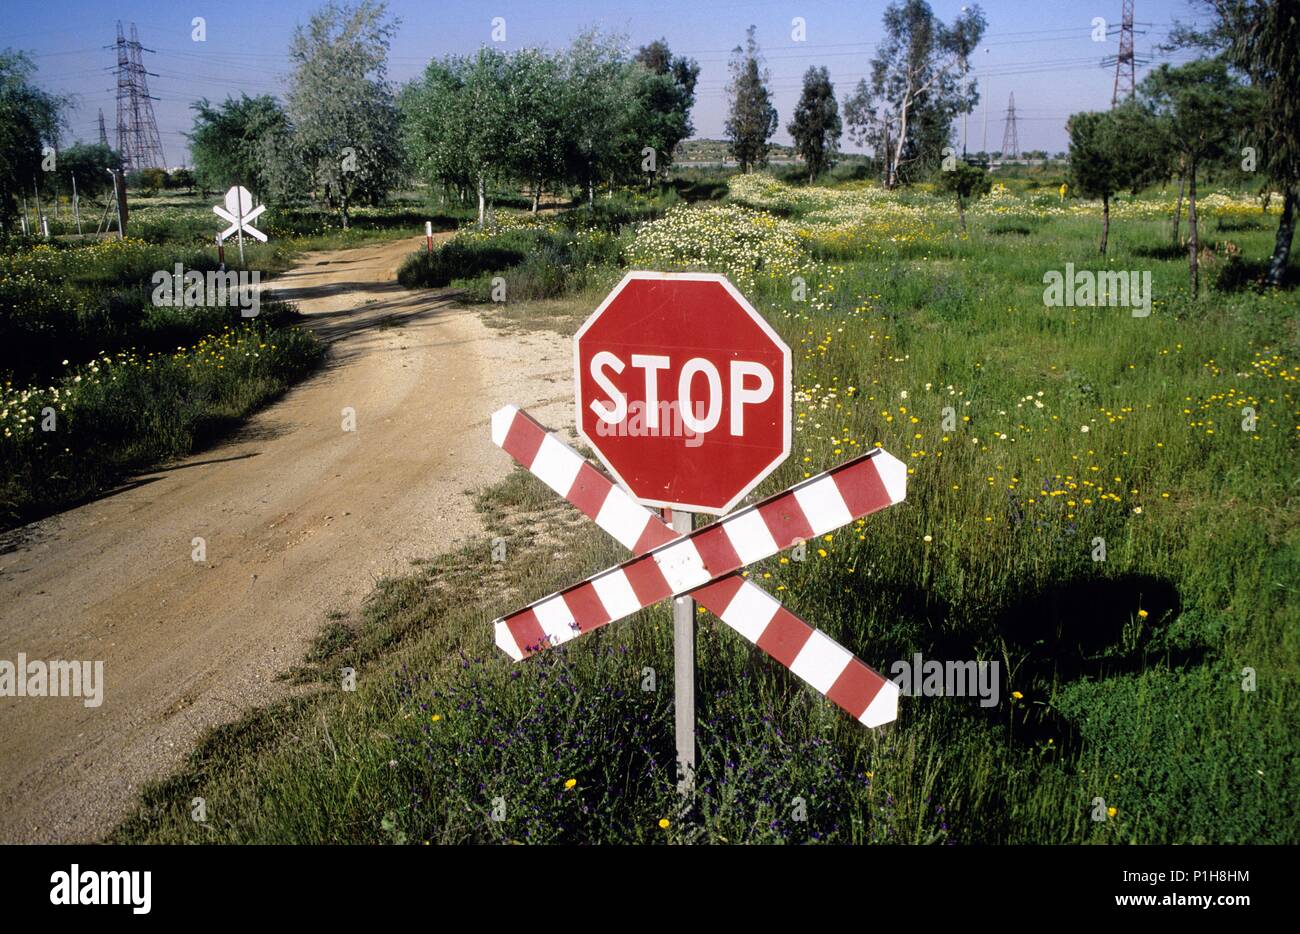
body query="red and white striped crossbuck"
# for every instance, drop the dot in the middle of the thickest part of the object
(704, 563)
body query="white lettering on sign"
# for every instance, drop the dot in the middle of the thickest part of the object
(740, 395)
(651, 363)
(615, 410)
(710, 421)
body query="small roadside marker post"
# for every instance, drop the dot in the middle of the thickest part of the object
(119, 201)
(40, 214)
(76, 205)
(428, 236)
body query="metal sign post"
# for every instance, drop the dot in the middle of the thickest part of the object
(239, 210)
(684, 669)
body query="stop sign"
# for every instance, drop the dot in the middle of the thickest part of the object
(683, 390)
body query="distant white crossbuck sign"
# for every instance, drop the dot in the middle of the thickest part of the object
(240, 213)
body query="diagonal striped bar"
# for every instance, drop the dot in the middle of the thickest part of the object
(857, 488)
(744, 606)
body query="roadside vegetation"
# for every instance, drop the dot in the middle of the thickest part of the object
(1122, 679)
(99, 382)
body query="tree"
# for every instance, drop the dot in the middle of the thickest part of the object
(345, 122)
(181, 178)
(30, 120)
(1201, 106)
(488, 115)
(226, 142)
(1261, 39)
(816, 126)
(280, 167)
(90, 166)
(964, 181)
(964, 36)
(752, 119)
(150, 180)
(534, 81)
(665, 94)
(434, 126)
(1108, 154)
(916, 88)
(595, 108)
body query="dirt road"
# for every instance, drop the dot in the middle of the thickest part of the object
(299, 517)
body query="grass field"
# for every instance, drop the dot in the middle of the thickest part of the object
(1102, 504)
(186, 219)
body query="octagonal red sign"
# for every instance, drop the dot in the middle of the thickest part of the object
(683, 390)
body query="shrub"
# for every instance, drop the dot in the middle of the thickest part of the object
(459, 258)
(125, 410)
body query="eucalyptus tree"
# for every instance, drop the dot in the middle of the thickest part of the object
(30, 119)
(344, 117)
(917, 85)
(1261, 38)
(226, 141)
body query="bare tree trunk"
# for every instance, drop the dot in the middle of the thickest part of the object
(482, 204)
(902, 137)
(884, 167)
(1105, 222)
(1178, 209)
(1193, 239)
(1285, 233)
(961, 212)
(537, 193)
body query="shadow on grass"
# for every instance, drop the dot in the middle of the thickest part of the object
(1240, 275)
(1165, 251)
(1082, 629)
(1086, 630)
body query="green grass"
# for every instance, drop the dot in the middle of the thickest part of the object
(97, 382)
(515, 264)
(1128, 672)
(125, 412)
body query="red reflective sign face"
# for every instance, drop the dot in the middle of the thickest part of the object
(683, 390)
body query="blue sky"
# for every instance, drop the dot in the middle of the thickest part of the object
(1039, 49)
